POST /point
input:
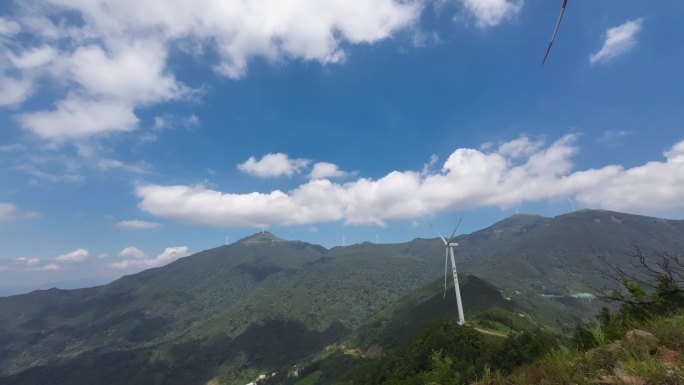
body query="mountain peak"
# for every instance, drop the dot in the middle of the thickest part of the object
(260, 238)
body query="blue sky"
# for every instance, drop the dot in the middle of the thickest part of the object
(137, 132)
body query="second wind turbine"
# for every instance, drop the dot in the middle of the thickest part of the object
(449, 249)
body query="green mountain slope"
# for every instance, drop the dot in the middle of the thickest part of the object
(559, 255)
(264, 303)
(259, 303)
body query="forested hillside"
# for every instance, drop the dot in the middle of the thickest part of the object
(264, 304)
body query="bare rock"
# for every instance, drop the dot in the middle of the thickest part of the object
(641, 340)
(627, 378)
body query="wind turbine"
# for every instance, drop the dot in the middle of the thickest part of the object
(449, 248)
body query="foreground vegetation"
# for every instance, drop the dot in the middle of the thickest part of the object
(640, 343)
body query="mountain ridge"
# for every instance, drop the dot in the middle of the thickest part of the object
(226, 300)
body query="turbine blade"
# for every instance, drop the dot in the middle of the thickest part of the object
(555, 31)
(440, 235)
(455, 228)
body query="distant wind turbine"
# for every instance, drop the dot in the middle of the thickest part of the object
(449, 248)
(572, 203)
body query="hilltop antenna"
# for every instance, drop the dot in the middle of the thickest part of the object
(449, 252)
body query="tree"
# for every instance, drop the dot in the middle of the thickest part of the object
(654, 285)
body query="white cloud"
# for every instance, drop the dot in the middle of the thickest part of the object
(79, 255)
(34, 57)
(134, 258)
(132, 253)
(525, 171)
(35, 172)
(490, 13)
(51, 267)
(171, 121)
(8, 212)
(138, 225)
(111, 58)
(324, 170)
(272, 165)
(520, 147)
(612, 136)
(109, 164)
(619, 40)
(76, 117)
(652, 187)
(427, 167)
(27, 261)
(14, 91)
(133, 72)
(9, 27)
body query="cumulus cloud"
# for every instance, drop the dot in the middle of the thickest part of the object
(33, 57)
(9, 212)
(522, 170)
(654, 186)
(324, 170)
(490, 13)
(138, 225)
(27, 261)
(79, 255)
(111, 58)
(132, 253)
(77, 117)
(50, 267)
(272, 165)
(14, 91)
(619, 40)
(9, 27)
(131, 257)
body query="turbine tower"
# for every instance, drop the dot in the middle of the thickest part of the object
(449, 249)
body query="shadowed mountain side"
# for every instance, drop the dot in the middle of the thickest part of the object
(411, 313)
(270, 344)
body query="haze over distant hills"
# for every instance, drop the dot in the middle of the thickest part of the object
(264, 304)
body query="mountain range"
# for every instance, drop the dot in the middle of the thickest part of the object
(265, 305)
